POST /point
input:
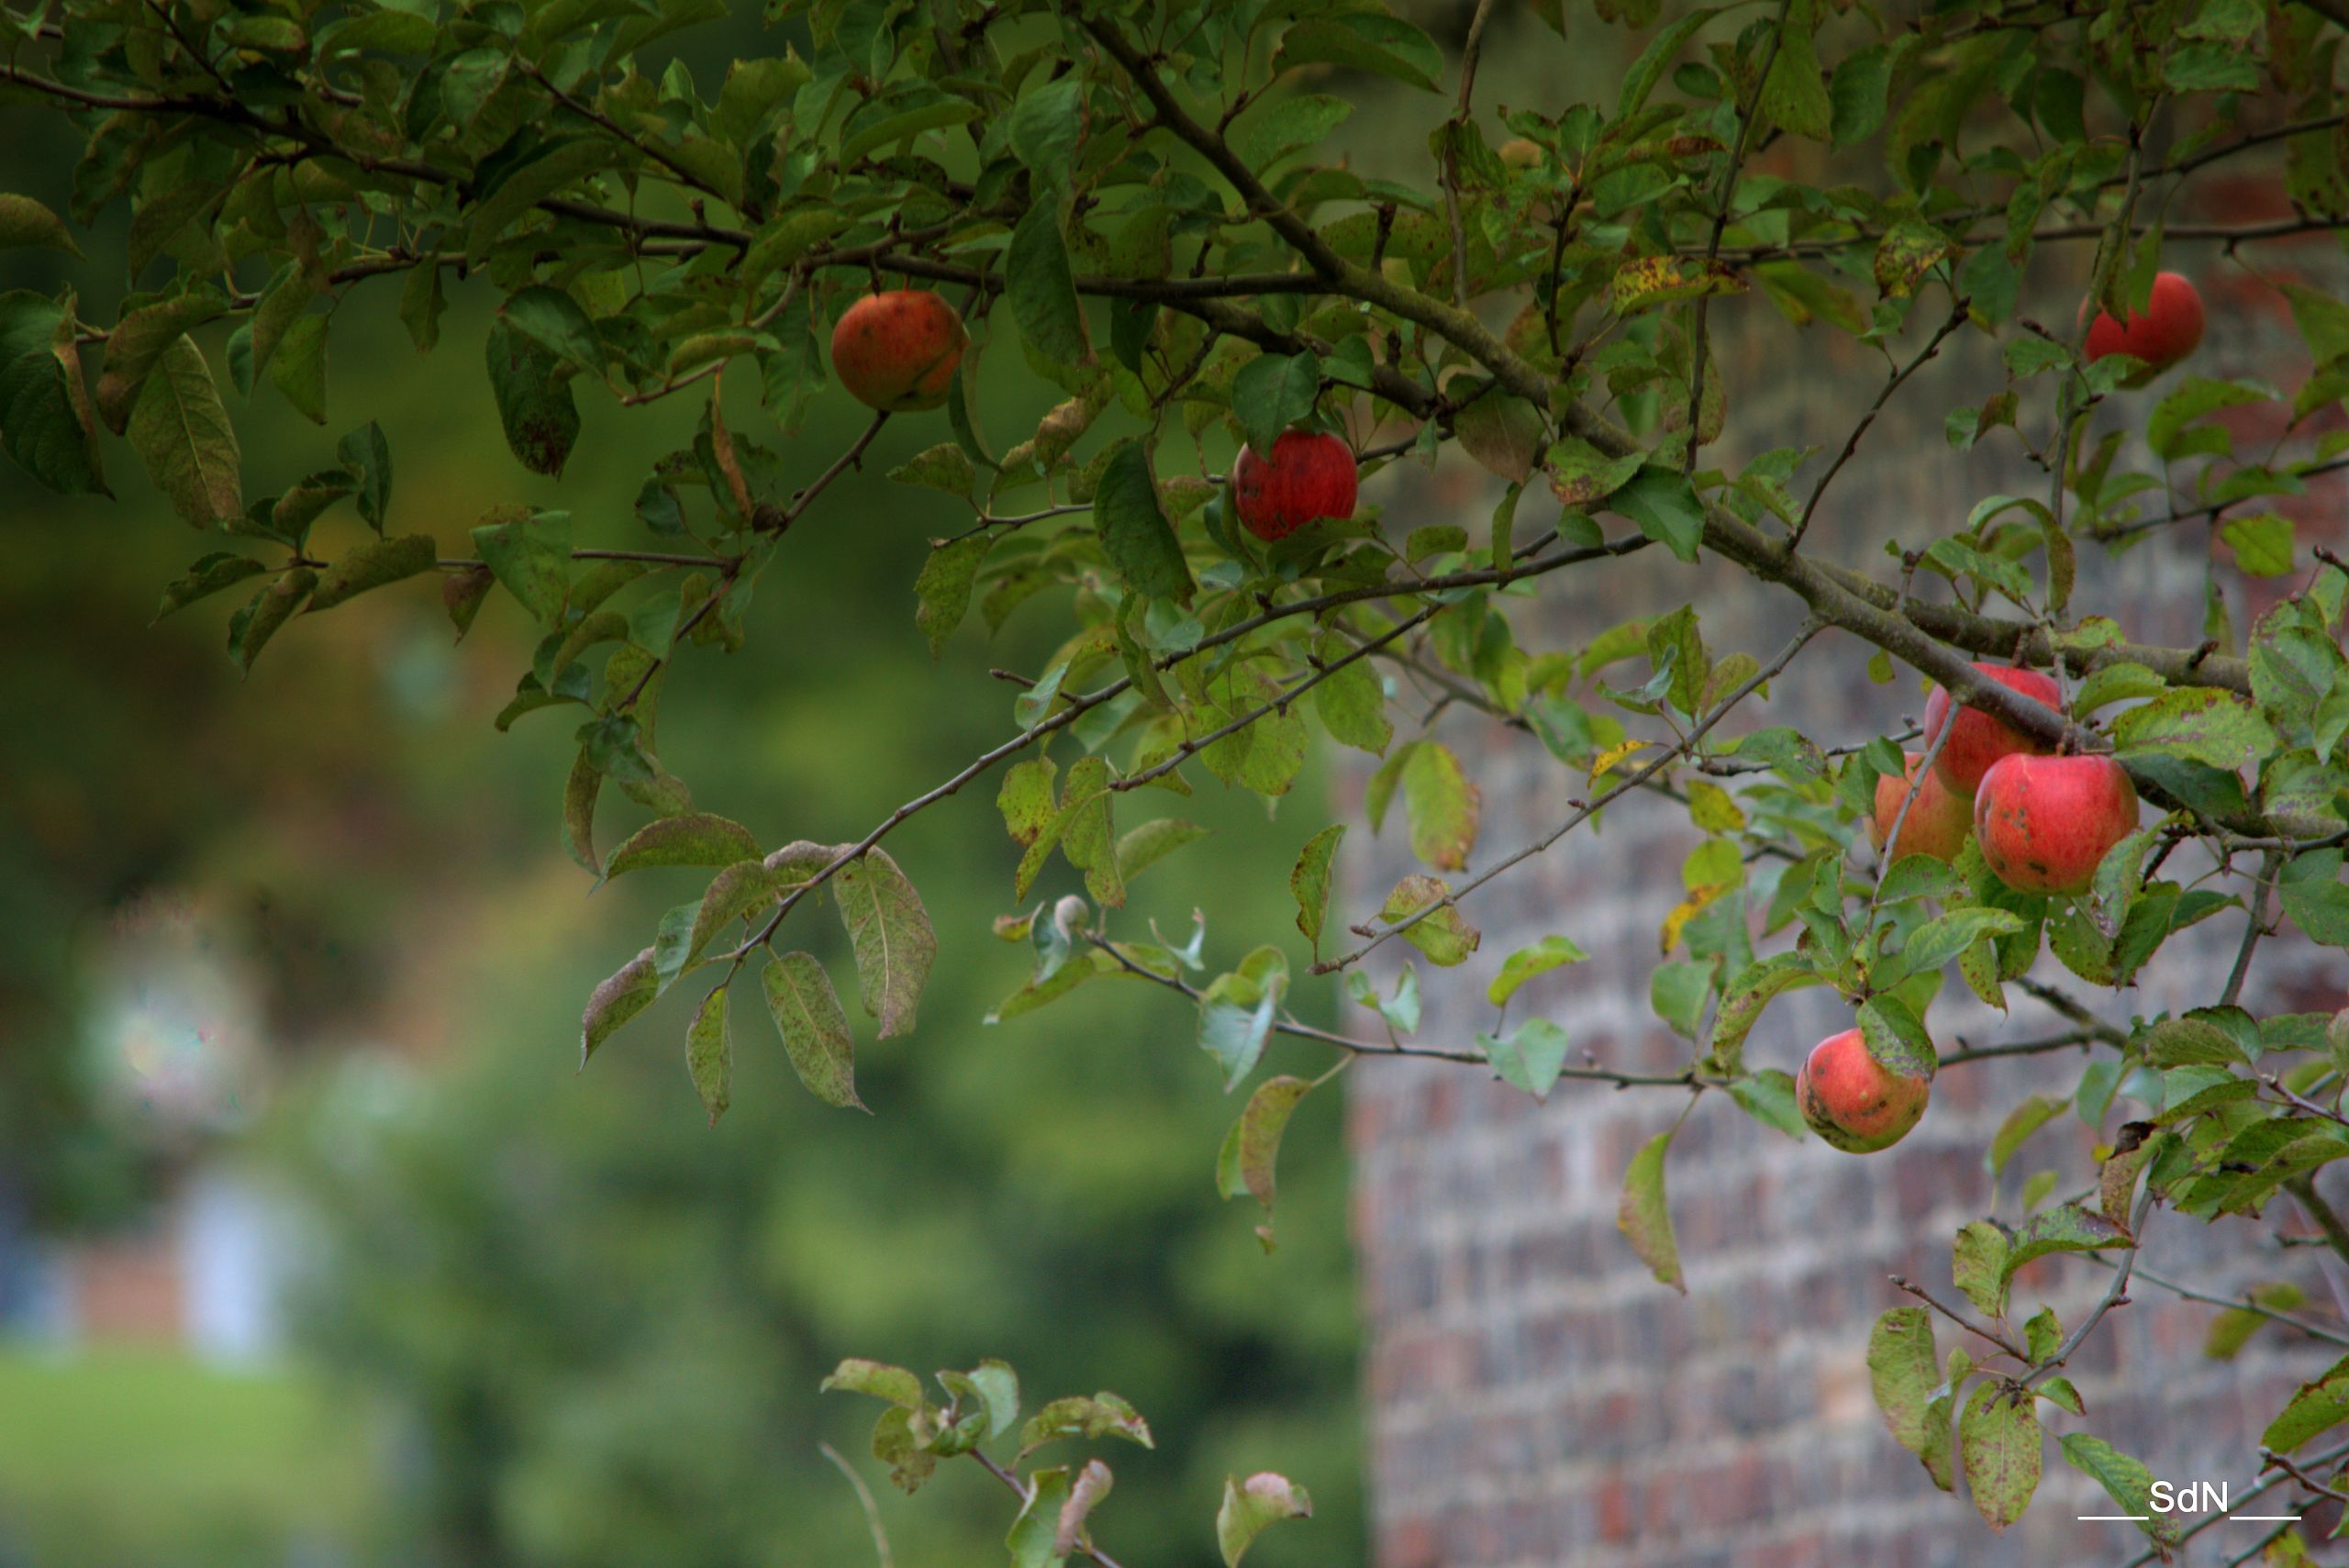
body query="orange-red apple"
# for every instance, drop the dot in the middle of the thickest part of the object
(2045, 822)
(1977, 739)
(898, 351)
(1938, 820)
(1853, 1101)
(2167, 330)
(1309, 477)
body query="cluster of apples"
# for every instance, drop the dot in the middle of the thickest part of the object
(2045, 819)
(898, 351)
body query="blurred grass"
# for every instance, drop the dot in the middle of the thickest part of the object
(119, 1456)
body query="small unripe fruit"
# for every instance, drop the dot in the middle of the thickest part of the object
(2045, 822)
(898, 351)
(1938, 822)
(1977, 739)
(1853, 1101)
(2168, 329)
(1518, 153)
(1308, 476)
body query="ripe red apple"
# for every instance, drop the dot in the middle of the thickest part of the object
(1853, 1101)
(1938, 822)
(1311, 476)
(2045, 822)
(898, 351)
(2168, 329)
(1978, 740)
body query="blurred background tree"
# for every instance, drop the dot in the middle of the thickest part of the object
(548, 1318)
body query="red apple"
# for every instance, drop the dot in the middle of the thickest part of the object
(1853, 1101)
(2167, 330)
(1938, 822)
(1309, 477)
(898, 351)
(1978, 739)
(2045, 822)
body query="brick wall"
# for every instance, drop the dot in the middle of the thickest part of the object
(1535, 1397)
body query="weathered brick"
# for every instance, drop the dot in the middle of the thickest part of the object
(1535, 1400)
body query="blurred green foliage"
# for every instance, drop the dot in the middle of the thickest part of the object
(573, 1323)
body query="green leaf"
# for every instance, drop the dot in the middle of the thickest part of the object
(944, 589)
(2196, 397)
(2035, 1112)
(1582, 475)
(1351, 702)
(709, 1055)
(1768, 1096)
(1999, 1443)
(1529, 1057)
(1141, 847)
(1035, 1534)
(2125, 1480)
(890, 934)
(1363, 41)
(1133, 529)
(252, 628)
(1907, 251)
(895, 1383)
(1896, 1038)
(1858, 91)
(1273, 391)
(1045, 129)
(1104, 1415)
(1237, 1010)
(2199, 723)
(2310, 890)
(2319, 1405)
(815, 1030)
(1310, 881)
(1251, 1507)
(180, 431)
(1903, 1368)
(2233, 1328)
(531, 558)
(1979, 1265)
(140, 338)
(1792, 95)
(626, 994)
(1944, 937)
(1283, 126)
(1440, 804)
(25, 224)
(2324, 322)
(2067, 1227)
(1526, 962)
(1748, 993)
(1665, 506)
(374, 564)
(1505, 434)
(993, 1386)
(208, 575)
(532, 388)
(1041, 289)
(2262, 544)
(554, 321)
(942, 467)
(1443, 936)
(502, 205)
(1245, 1163)
(368, 455)
(694, 838)
(298, 368)
(1643, 1216)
